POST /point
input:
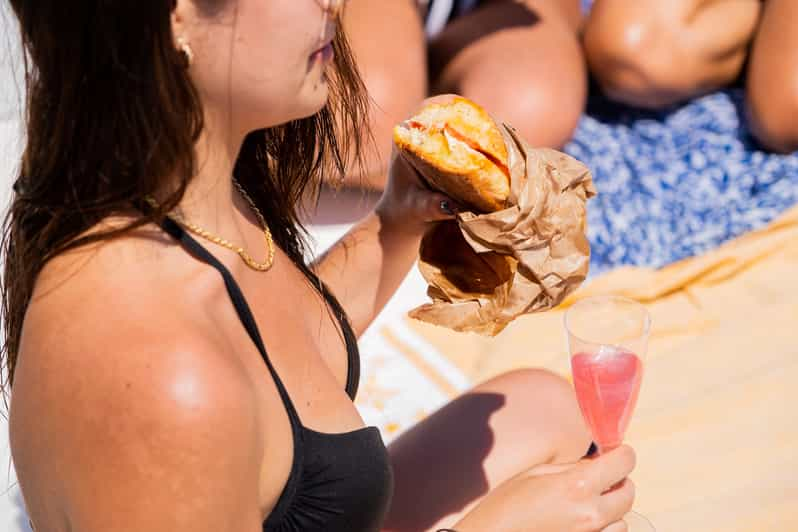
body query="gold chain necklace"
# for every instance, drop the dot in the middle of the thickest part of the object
(248, 260)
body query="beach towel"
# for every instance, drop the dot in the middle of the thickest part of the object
(715, 428)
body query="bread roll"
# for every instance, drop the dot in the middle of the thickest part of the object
(459, 150)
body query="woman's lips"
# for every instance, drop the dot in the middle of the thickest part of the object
(323, 54)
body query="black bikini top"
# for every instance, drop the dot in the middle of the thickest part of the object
(338, 482)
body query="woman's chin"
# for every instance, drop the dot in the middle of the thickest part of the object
(315, 101)
(308, 102)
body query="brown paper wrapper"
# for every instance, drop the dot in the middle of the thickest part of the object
(484, 270)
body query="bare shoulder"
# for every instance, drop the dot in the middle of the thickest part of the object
(110, 393)
(132, 290)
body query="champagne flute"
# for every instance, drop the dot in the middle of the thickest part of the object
(607, 342)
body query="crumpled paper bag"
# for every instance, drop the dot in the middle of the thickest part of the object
(484, 270)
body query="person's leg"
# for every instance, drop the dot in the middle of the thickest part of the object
(449, 461)
(388, 41)
(773, 77)
(519, 60)
(653, 53)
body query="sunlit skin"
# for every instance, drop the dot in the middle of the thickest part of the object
(140, 403)
(520, 59)
(652, 54)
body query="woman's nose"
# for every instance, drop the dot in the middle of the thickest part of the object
(333, 7)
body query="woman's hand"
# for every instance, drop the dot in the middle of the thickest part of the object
(592, 495)
(386, 241)
(407, 202)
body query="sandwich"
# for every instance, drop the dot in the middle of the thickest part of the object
(459, 150)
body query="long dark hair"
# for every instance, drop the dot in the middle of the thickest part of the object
(112, 112)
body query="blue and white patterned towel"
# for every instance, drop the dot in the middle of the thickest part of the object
(675, 183)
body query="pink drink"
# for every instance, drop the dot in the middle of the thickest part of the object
(606, 387)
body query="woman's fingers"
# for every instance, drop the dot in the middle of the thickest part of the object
(438, 207)
(432, 206)
(413, 194)
(550, 469)
(609, 469)
(617, 502)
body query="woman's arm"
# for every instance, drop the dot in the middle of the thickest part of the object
(140, 436)
(367, 265)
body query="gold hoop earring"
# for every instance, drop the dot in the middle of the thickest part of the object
(185, 49)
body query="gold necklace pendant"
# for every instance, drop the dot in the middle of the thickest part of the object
(219, 241)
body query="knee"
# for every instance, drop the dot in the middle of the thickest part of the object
(392, 98)
(772, 110)
(544, 111)
(636, 63)
(535, 392)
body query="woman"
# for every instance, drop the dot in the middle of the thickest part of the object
(164, 379)
(520, 59)
(653, 54)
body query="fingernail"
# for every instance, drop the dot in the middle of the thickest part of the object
(446, 207)
(592, 450)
